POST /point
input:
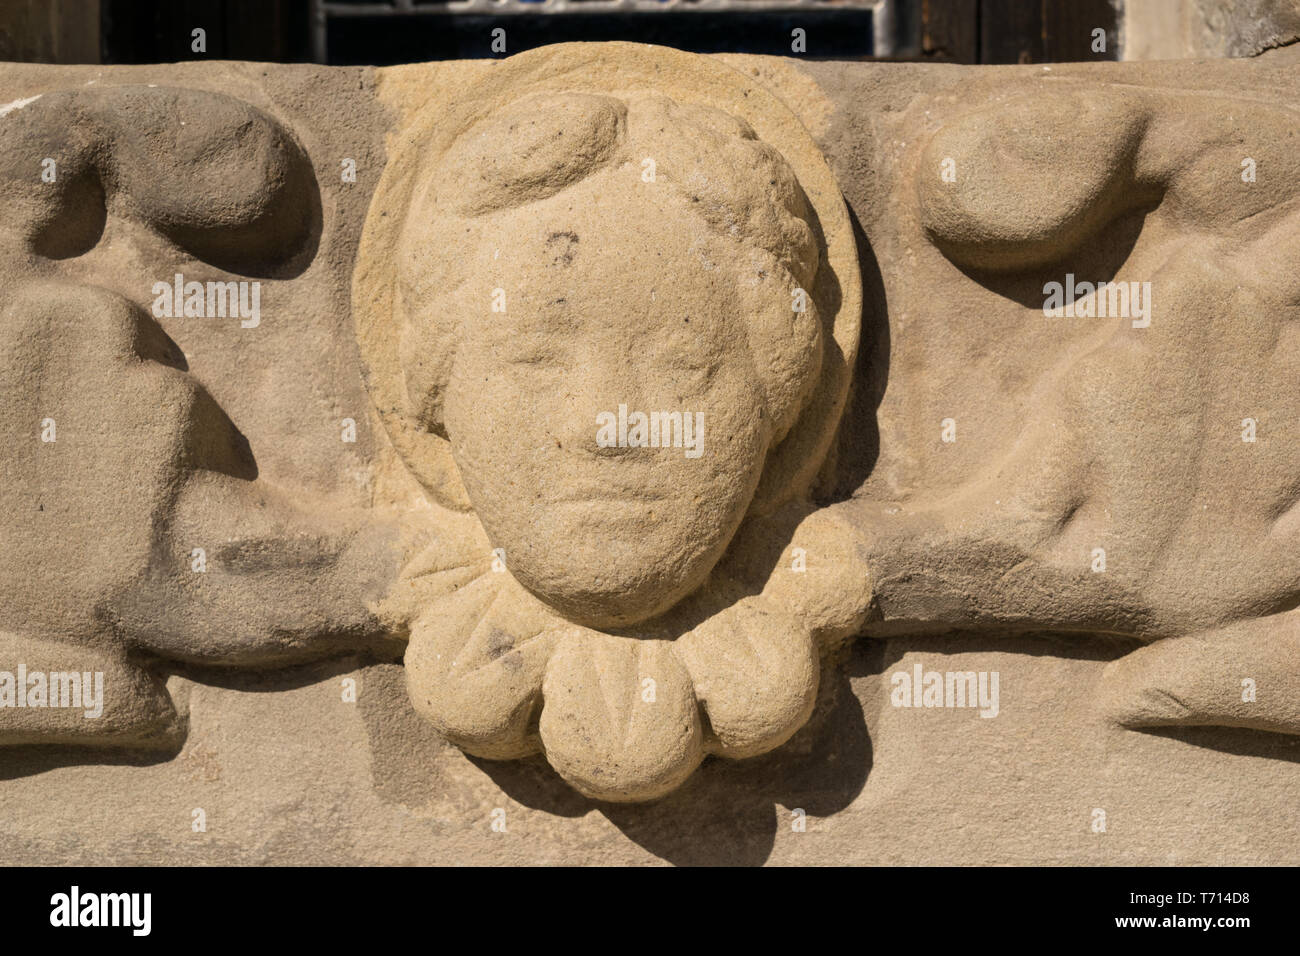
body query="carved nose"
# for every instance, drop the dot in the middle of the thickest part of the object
(595, 434)
(598, 418)
(609, 451)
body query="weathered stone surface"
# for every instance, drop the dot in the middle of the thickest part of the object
(1071, 509)
(1173, 29)
(504, 307)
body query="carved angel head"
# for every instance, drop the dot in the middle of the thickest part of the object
(606, 322)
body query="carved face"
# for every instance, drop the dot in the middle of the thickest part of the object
(627, 347)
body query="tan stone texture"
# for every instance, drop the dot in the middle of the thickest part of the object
(354, 679)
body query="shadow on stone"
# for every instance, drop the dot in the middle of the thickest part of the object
(857, 445)
(729, 811)
(1098, 260)
(29, 760)
(1240, 741)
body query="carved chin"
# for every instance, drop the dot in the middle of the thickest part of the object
(608, 582)
(606, 596)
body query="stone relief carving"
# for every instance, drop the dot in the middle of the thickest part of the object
(136, 465)
(1136, 500)
(537, 310)
(523, 274)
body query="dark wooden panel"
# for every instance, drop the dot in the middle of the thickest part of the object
(1012, 31)
(159, 31)
(949, 30)
(49, 31)
(1070, 26)
(833, 33)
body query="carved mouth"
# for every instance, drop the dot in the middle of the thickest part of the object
(607, 495)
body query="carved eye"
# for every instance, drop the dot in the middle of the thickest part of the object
(699, 376)
(531, 351)
(532, 149)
